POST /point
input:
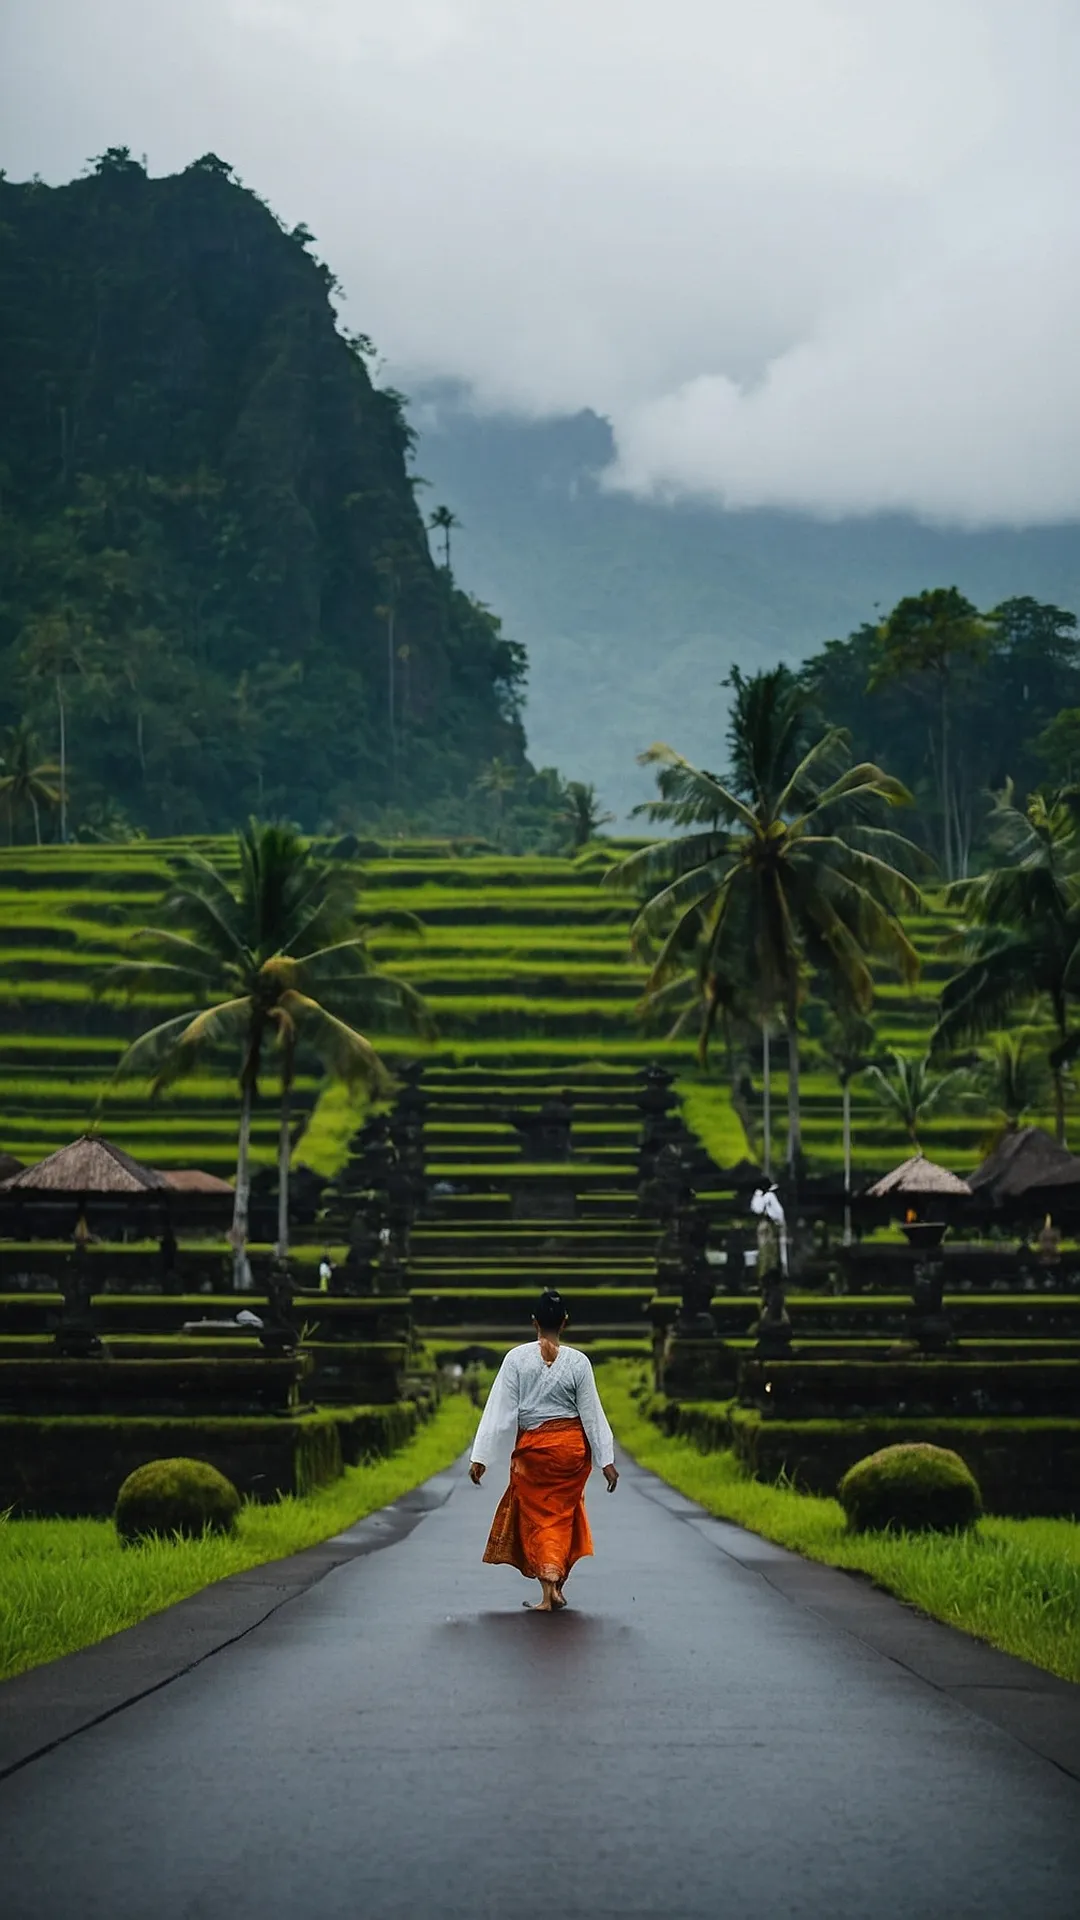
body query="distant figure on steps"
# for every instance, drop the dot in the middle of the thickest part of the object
(548, 1392)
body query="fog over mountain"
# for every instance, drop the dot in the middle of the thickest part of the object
(806, 258)
(814, 254)
(633, 612)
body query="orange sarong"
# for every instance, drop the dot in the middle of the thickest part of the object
(540, 1526)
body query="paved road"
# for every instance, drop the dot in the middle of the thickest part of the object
(404, 1740)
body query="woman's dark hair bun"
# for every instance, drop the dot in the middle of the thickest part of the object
(550, 1310)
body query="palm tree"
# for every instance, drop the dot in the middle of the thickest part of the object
(497, 780)
(26, 782)
(785, 864)
(911, 1091)
(1013, 1081)
(932, 634)
(1022, 943)
(56, 650)
(443, 521)
(388, 567)
(258, 955)
(848, 1045)
(582, 813)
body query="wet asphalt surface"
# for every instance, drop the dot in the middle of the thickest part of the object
(403, 1739)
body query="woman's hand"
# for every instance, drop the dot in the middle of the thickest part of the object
(477, 1471)
(611, 1475)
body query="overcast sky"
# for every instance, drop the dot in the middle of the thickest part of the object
(811, 253)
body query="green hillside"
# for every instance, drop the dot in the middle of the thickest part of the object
(523, 962)
(213, 567)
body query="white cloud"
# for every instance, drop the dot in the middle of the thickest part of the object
(818, 253)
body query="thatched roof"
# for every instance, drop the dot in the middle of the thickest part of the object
(89, 1165)
(1025, 1162)
(191, 1180)
(916, 1177)
(9, 1167)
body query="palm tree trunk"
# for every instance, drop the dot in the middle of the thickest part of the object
(847, 1162)
(390, 689)
(63, 760)
(1059, 1106)
(946, 800)
(1060, 1005)
(242, 1200)
(794, 1139)
(37, 819)
(284, 1159)
(766, 1102)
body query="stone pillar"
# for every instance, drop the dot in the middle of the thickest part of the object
(76, 1337)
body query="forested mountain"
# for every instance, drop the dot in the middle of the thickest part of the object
(212, 564)
(634, 612)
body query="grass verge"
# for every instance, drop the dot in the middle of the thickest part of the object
(1013, 1583)
(68, 1583)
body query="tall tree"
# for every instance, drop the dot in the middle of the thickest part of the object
(790, 863)
(497, 780)
(848, 1043)
(1012, 1079)
(444, 520)
(27, 783)
(56, 648)
(1021, 942)
(926, 639)
(388, 568)
(582, 813)
(263, 954)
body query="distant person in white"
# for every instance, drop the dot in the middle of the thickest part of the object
(548, 1393)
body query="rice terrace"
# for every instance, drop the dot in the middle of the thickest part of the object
(416, 1129)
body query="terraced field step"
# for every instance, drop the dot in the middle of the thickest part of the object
(601, 1343)
(829, 1389)
(347, 1316)
(573, 1277)
(473, 1212)
(808, 1348)
(619, 1163)
(530, 1240)
(974, 1316)
(500, 1306)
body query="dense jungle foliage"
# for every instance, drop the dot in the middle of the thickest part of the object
(216, 589)
(959, 704)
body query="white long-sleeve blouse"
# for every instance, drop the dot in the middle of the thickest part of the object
(526, 1392)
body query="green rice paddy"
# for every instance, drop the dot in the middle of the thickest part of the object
(524, 964)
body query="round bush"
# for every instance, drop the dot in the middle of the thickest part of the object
(914, 1488)
(175, 1496)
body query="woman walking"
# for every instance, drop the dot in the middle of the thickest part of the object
(547, 1391)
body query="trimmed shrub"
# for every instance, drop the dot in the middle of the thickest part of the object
(171, 1497)
(913, 1487)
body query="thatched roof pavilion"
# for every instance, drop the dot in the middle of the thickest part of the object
(9, 1167)
(95, 1179)
(90, 1164)
(1027, 1164)
(192, 1180)
(918, 1179)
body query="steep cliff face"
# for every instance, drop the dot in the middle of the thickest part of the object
(210, 549)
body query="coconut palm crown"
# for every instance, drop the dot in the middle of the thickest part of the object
(262, 955)
(1021, 943)
(784, 870)
(27, 783)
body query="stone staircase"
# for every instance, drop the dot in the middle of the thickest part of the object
(531, 1180)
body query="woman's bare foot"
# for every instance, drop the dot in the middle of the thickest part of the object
(550, 1602)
